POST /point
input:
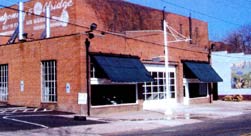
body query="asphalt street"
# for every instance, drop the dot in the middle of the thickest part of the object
(231, 126)
(14, 119)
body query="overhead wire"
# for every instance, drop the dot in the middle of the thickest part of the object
(200, 13)
(235, 5)
(111, 33)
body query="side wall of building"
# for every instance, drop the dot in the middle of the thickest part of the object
(229, 64)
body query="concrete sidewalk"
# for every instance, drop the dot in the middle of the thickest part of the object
(217, 109)
(147, 120)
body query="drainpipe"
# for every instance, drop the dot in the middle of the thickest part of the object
(87, 45)
(21, 21)
(210, 84)
(190, 28)
(47, 25)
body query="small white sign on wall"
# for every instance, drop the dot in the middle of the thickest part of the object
(22, 85)
(82, 98)
(68, 88)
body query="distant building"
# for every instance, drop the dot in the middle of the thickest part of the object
(231, 48)
(126, 69)
(235, 70)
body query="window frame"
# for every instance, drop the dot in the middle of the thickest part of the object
(200, 90)
(49, 77)
(150, 85)
(4, 77)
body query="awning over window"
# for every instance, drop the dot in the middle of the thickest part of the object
(203, 71)
(122, 68)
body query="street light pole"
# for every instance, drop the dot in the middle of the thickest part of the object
(166, 58)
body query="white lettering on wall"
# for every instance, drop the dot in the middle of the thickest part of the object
(4, 18)
(39, 8)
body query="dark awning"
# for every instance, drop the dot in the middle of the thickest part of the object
(122, 68)
(203, 71)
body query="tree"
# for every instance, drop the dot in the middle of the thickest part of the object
(240, 40)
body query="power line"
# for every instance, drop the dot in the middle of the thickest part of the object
(74, 24)
(201, 13)
(236, 6)
(112, 33)
(118, 34)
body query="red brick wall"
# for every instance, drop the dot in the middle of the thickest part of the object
(24, 64)
(199, 100)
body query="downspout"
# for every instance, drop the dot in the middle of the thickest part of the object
(190, 29)
(209, 61)
(87, 45)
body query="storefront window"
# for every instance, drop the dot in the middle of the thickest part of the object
(197, 90)
(108, 93)
(113, 94)
(156, 90)
(172, 84)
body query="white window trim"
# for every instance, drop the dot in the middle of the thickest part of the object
(187, 81)
(4, 82)
(55, 82)
(161, 68)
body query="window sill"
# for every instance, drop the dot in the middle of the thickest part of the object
(199, 97)
(115, 105)
(49, 102)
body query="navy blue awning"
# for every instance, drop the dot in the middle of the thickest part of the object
(123, 68)
(203, 71)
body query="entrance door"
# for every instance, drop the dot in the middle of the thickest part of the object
(156, 96)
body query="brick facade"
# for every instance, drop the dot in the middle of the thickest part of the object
(143, 38)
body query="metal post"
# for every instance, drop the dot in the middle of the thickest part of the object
(47, 20)
(210, 84)
(166, 58)
(20, 21)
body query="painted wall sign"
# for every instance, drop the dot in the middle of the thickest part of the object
(241, 75)
(59, 13)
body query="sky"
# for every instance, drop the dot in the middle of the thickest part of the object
(222, 16)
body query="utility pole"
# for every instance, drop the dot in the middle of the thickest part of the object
(166, 58)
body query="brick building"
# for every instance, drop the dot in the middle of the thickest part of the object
(124, 73)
